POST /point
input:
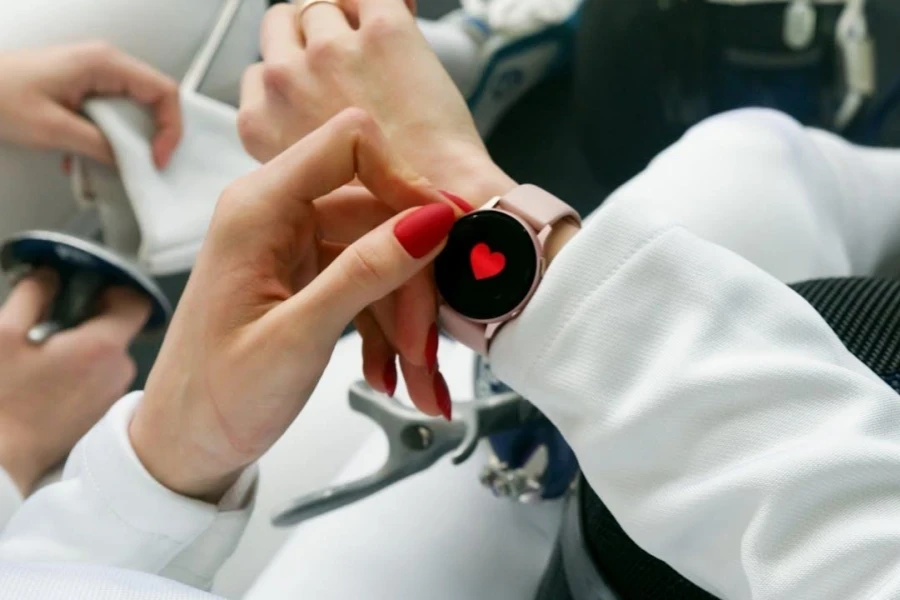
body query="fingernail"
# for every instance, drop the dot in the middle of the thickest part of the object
(462, 204)
(431, 348)
(390, 377)
(442, 394)
(67, 164)
(423, 230)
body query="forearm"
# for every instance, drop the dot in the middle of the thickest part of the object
(799, 203)
(714, 412)
(108, 510)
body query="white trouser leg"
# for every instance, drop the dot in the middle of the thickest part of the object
(439, 535)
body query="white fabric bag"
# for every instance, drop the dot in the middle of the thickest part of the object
(162, 215)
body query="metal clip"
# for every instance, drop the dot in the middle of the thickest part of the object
(415, 443)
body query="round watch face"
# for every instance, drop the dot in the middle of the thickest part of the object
(489, 266)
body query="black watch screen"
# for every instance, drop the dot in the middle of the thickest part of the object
(488, 267)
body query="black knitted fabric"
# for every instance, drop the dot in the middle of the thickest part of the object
(865, 314)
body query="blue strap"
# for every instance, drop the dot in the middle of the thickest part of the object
(515, 448)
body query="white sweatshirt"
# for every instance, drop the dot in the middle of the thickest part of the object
(713, 410)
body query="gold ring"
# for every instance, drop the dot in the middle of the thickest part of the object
(310, 3)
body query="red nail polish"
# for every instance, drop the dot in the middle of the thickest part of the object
(67, 164)
(390, 377)
(462, 204)
(442, 394)
(423, 230)
(431, 348)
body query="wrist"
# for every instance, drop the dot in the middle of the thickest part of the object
(470, 173)
(20, 463)
(175, 458)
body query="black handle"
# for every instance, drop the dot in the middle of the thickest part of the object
(76, 301)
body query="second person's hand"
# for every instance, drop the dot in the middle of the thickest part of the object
(43, 89)
(52, 394)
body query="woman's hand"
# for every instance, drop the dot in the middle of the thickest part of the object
(267, 300)
(51, 395)
(368, 54)
(42, 90)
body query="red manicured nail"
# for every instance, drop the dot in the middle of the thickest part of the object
(423, 230)
(390, 377)
(442, 394)
(67, 164)
(462, 204)
(431, 348)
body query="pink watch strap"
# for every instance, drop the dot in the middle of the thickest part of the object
(537, 207)
(464, 331)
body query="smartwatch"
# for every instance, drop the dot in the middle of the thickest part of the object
(494, 261)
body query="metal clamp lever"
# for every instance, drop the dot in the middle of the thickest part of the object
(415, 443)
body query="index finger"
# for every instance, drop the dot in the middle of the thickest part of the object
(119, 72)
(29, 300)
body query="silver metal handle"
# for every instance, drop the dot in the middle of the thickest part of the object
(415, 443)
(203, 60)
(336, 497)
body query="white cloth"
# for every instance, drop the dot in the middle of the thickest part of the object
(172, 206)
(718, 416)
(108, 510)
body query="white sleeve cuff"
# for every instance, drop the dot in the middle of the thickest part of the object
(10, 498)
(611, 238)
(108, 509)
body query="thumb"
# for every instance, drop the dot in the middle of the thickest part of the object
(371, 268)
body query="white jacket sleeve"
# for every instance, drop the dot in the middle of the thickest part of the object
(108, 510)
(797, 202)
(10, 498)
(717, 415)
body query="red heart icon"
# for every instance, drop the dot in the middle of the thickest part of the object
(486, 264)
